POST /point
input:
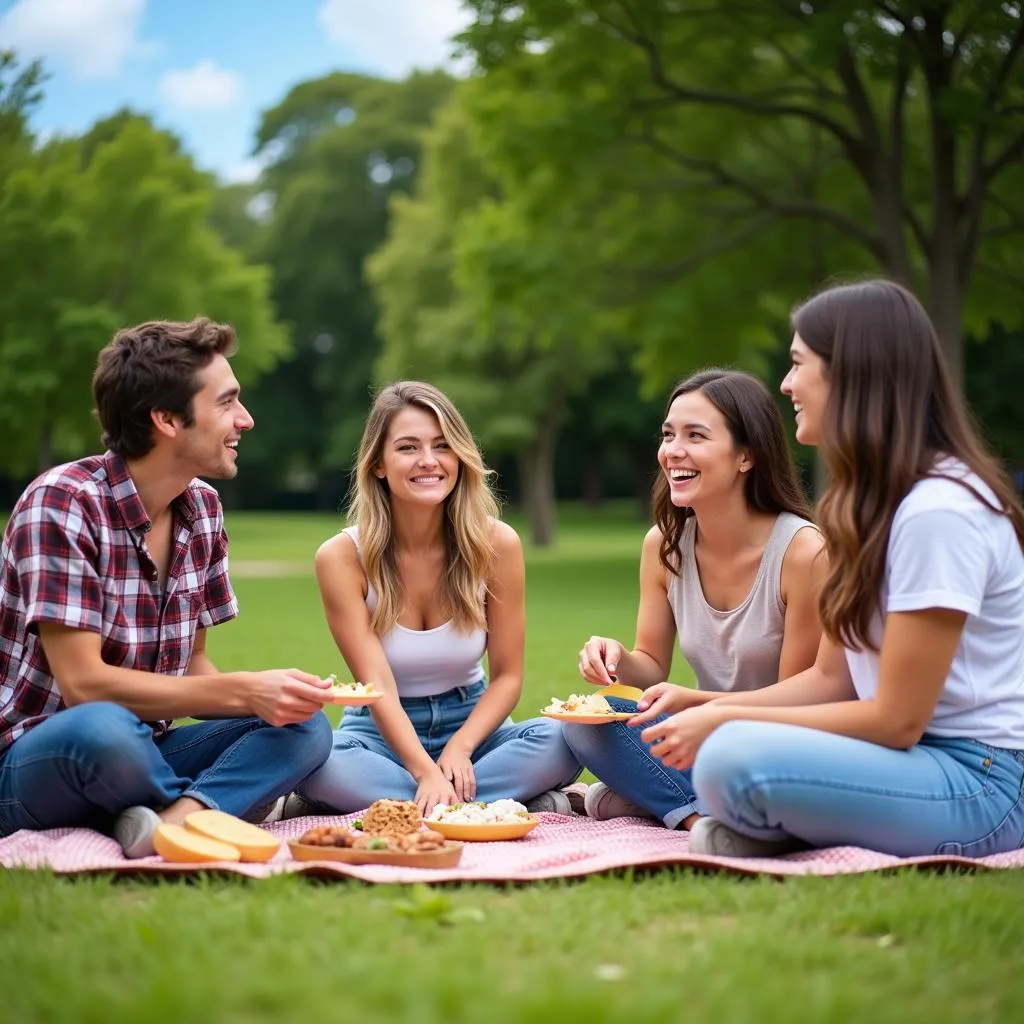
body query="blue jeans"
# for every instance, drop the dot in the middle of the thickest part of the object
(86, 764)
(620, 759)
(943, 796)
(517, 761)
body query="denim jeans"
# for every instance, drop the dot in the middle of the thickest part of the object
(942, 796)
(517, 761)
(86, 764)
(620, 759)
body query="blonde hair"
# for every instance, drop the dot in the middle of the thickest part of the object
(469, 510)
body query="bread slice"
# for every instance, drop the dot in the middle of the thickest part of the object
(252, 842)
(180, 846)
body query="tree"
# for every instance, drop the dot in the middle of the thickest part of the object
(885, 134)
(337, 148)
(512, 376)
(97, 233)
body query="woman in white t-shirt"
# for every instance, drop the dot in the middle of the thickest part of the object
(907, 734)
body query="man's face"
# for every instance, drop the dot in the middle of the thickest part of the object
(210, 445)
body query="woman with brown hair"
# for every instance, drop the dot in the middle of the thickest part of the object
(424, 583)
(907, 734)
(728, 569)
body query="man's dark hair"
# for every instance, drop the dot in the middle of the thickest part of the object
(154, 366)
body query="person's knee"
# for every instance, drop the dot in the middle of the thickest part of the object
(107, 736)
(585, 741)
(723, 760)
(315, 738)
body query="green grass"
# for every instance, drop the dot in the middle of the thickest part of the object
(663, 946)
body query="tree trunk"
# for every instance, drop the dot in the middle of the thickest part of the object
(537, 472)
(537, 476)
(946, 308)
(593, 480)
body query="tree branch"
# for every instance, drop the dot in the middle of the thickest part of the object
(1000, 275)
(761, 199)
(1013, 150)
(853, 145)
(665, 274)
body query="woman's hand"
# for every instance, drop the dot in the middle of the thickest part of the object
(675, 741)
(432, 789)
(665, 699)
(599, 660)
(457, 768)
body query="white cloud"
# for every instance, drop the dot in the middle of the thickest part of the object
(245, 172)
(204, 87)
(394, 36)
(93, 37)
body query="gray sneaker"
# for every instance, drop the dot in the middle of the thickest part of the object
(295, 806)
(717, 839)
(554, 801)
(602, 803)
(134, 830)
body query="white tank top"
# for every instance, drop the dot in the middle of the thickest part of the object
(426, 662)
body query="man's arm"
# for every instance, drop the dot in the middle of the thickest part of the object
(278, 696)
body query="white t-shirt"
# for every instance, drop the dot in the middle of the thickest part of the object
(948, 550)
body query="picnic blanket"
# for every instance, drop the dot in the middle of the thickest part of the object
(560, 847)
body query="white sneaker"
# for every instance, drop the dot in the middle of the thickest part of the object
(134, 830)
(715, 838)
(602, 803)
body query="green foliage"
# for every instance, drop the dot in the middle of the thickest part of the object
(701, 166)
(97, 233)
(338, 147)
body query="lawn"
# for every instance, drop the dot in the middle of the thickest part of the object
(662, 946)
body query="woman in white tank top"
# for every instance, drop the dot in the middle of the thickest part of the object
(729, 569)
(427, 582)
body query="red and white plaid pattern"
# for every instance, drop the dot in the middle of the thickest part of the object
(74, 554)
(560, 847)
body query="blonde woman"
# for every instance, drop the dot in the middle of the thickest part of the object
(424, 583)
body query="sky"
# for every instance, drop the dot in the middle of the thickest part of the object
(206, 69)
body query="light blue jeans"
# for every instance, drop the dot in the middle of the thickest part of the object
(86, 764)
(517, 761)
(620, 759)
(942, 796)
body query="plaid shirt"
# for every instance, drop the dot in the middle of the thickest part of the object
(74, 554)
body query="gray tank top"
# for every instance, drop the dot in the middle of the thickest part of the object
(738, 649)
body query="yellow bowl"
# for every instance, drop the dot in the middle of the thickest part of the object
(621, 690)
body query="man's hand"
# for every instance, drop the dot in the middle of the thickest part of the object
(457, 768)
(286, 696)
(432, 789)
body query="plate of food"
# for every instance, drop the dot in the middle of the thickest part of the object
(479, 822)
(391, 832)
(584, 709)
(352, 695)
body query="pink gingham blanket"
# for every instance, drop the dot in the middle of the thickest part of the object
(560, 847)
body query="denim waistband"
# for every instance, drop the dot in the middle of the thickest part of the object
(456, 693)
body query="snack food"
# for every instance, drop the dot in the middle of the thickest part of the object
(338, 836)
(252, 843)
(391, 818)
(500, 812)
(581, 704)
(180, 846)
(351, 689)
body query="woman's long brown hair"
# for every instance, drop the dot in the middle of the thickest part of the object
(754, 423)
(891, 415)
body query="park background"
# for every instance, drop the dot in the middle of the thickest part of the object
(553, 209)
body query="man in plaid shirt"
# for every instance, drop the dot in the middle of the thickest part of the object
(112, 568)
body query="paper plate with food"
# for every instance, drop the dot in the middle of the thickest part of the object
(585, 709)
(479, 822)
(352, 695)
(391, 832)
